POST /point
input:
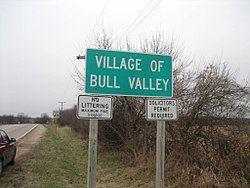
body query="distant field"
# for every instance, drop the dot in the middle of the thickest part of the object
(61, 161)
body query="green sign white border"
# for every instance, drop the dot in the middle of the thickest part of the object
(111, 94)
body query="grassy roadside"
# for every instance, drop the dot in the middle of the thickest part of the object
(54, 163)
(61, 161)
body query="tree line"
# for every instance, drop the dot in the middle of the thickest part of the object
(22, 118)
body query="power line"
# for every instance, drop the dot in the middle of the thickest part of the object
(136, 18)
(100, 15)
(145, 16)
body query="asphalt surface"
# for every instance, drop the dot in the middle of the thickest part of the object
(17, 131)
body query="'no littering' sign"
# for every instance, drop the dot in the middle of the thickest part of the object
(94, 107)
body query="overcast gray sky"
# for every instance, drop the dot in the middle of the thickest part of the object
(40, 39)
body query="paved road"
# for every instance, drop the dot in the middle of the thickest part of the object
(17, 130)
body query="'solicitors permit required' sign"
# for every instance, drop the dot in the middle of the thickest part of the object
(128, 73)
(162, 109)
(94, 107)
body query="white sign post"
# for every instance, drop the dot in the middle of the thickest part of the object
(94, 108)
(161, 110)
(92, 155)
(160, 154)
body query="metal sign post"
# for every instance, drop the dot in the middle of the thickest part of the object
(93, 108)
(160, 154)
(92, 155)
(161, 110)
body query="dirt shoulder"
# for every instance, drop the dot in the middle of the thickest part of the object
(30, 141)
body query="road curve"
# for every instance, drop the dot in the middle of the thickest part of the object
(17, 131)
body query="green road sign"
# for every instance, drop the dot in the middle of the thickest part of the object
(128, 73)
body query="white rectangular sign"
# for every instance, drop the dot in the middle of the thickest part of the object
(161, 109)
(94, 107)
(56, 113)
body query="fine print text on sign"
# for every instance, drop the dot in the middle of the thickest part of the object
(126, 73)
(93, 107)
(162, 109)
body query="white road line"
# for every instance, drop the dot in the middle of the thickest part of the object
(27, 132)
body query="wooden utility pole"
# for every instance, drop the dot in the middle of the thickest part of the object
(61, 105)
(60, 113)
